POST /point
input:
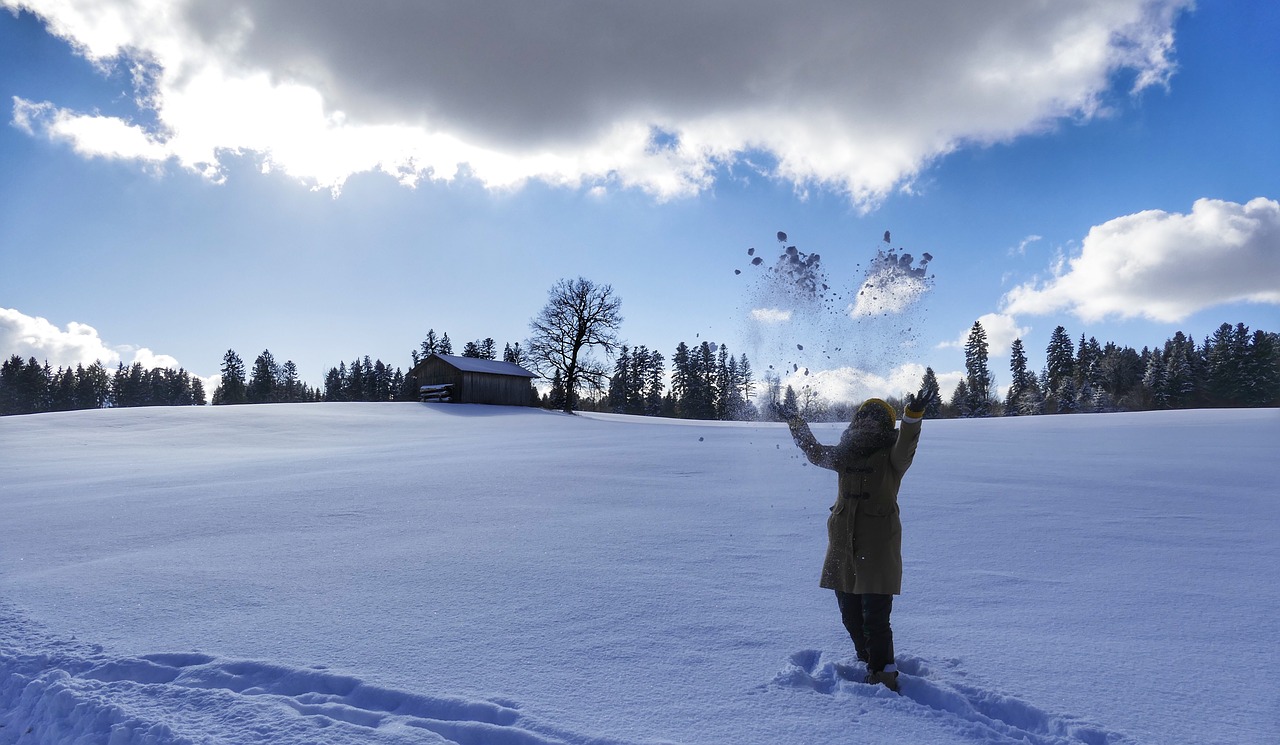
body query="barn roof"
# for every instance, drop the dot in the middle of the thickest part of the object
(492, 367)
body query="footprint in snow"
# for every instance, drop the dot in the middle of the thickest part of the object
(987, 715)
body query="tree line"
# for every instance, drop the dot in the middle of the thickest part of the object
(707, 382)
(1233, 367)
(362, 379)
(30, 387)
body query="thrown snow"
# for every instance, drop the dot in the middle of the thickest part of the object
(867, 325)
(892, 284)
(405, 573)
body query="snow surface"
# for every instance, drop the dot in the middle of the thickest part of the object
(409, 573)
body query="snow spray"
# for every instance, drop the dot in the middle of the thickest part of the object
(799, 321)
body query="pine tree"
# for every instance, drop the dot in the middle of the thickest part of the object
(1262, 371)
(10, 399)
(397, 387)
(381, 383)
(355, 382)
(744, 374)
(120, 384)
(1182, 371)
(724, 383)
(932, 407)
(1156, 381)
(680, 374)
(291, 388)
(700, 395)
(232, 388)
(556, 397)
(408, 388)
(789, 400)
(1060, 365)
(262, 383)
(654, 400)
(62, 390)
(167, 388)
(1120, 374)
(1088, 354)
(1020, 380)
(136, 386)
(619, 383)
(335, 383)
(429, 346)
(445, 346)
(637, 379)
(734, 402)
(93, 386)
(1227, 356)
(1067, 398)
(514, 354)
(977, 374)
(961, 400)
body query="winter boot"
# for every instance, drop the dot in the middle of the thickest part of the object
(886, 676)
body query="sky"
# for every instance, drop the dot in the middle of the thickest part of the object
(328, 182)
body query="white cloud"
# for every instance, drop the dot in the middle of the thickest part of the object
(1001, 330)
(152, 360)
(771, 315)
(28, 336)
(92, 136)
(78, 344)
(1021, 248)
(1165, 266)
(858, 96)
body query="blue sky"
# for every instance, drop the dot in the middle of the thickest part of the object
(177, 179)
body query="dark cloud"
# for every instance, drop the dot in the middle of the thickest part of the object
(857, 95)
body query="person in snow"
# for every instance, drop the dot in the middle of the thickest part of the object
(864, 554)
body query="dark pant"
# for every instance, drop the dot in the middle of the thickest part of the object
(867, 619)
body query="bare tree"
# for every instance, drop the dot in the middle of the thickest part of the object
(579, 315)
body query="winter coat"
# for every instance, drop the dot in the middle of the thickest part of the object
(864, 552)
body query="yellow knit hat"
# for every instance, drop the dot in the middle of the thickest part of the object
(869, 406)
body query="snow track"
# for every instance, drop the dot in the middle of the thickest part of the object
(976, 713)
(56, 692)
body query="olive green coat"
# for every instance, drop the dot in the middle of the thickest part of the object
(864, 552)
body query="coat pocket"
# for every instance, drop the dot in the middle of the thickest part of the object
(880, 507)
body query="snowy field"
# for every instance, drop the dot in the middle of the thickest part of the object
(405, 573)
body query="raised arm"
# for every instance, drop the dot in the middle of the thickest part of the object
(904, 449)
(823, 456)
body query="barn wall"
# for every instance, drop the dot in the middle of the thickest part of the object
(504, 390)
(438, 372)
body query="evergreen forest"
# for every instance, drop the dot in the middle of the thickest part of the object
(1232, 367)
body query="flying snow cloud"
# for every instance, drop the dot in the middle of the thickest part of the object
(770, 315)
(852, 384)
(856, 96)
(1165, 266)
(892, 284)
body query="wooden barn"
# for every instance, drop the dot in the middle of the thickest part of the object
(466, 380)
